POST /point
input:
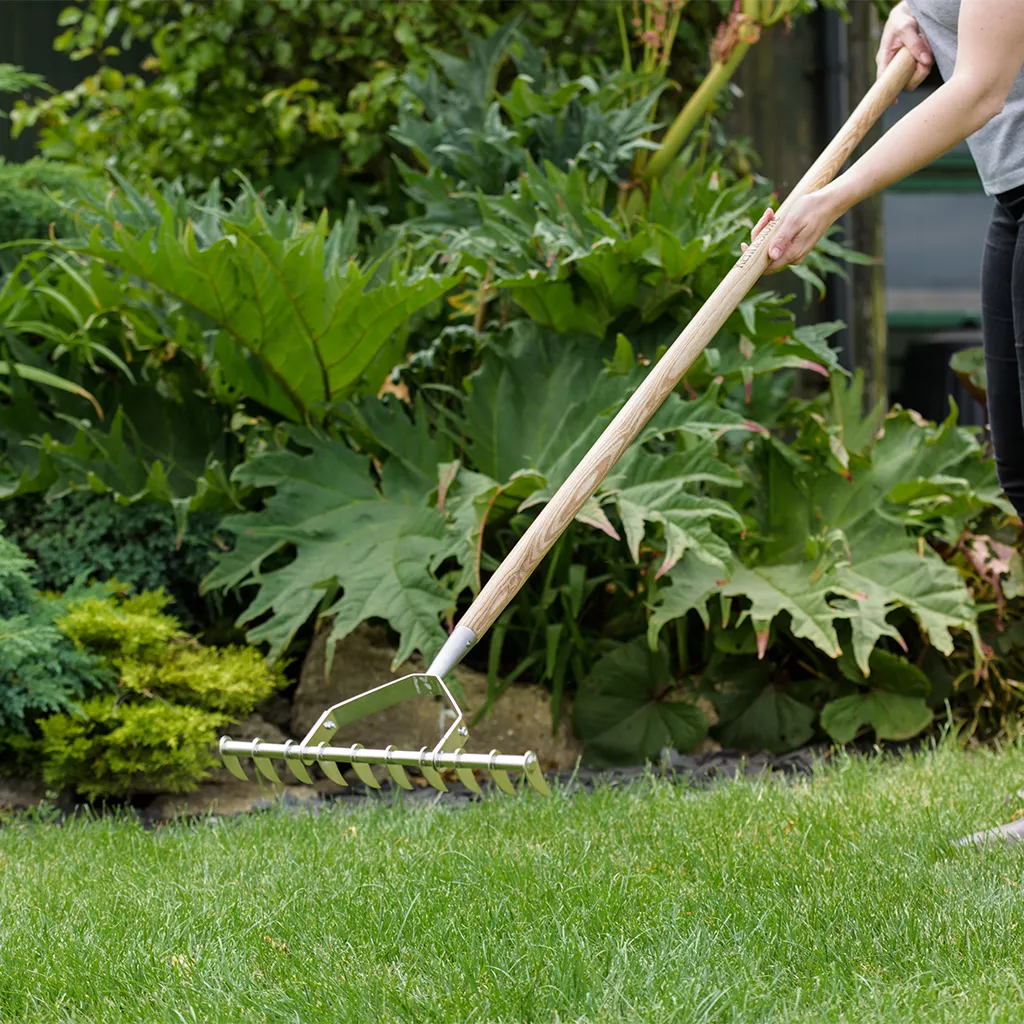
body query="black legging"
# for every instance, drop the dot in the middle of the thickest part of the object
(1002, 319)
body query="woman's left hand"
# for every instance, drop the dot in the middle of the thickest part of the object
(808, 219)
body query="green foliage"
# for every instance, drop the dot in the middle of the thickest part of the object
(465, 133)
(376, 542)
(29, 202)
(30, 192)
(40, 669)
(122, 629)
(114, 748)
(243, 312)
(811, 545)
(159, 732)
(292, 318)
(630, 709)
(232, 680)
(87, 535)
(835, 563)
(296, 94)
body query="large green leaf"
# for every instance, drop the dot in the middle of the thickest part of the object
(890, 570)
(629, 709)
(883, 566)
(773, 721)
(535, 408)
(646, 488)
(693, 583)
(888, 672)
(800, 589)
(893, 716)
(377, 545)
(292, 320)
(538, 403)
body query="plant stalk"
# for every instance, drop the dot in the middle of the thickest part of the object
(696, 106)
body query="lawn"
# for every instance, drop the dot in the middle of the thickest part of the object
(837, 898)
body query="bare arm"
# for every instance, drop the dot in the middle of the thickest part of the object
(990, 53)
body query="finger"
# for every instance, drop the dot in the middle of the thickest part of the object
(922, 72)
(886, 51)
(780, 251)
(918, 46)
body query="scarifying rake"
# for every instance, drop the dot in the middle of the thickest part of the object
(513, 572)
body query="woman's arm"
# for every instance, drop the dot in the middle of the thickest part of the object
(990, 53)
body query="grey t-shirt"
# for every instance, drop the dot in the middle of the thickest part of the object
(998, 147)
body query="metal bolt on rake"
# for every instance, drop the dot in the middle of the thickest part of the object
(446, 755)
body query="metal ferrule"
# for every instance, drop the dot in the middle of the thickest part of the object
(455, 649)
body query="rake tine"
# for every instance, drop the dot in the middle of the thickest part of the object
(501, 767)
(430, 773)
(263, 764)
(329, 768)
(534, 776)
(232, 763)
(501, 779)
(295, 766)
(466, 776)
(396, 771)
(363, 770)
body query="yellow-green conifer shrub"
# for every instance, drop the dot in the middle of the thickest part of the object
(230, 680)
(121, 627)
(114, 749)
(159, 733)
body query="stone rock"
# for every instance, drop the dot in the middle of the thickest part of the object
(20, 794)
(1011, 834)
(277, 710)
(255, 726)
(225, 798)
(519, 721)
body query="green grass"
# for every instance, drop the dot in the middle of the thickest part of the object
(834, 899)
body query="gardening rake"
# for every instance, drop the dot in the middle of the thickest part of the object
(448, 754)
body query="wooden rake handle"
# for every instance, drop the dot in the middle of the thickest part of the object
(513, 572)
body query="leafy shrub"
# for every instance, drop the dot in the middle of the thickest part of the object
(114, 748)
(41, 670)
(159, 733)
(122, 628)
(769, 581)
(28, 208)
(89, 535)
(232, 680)
(313, 325)
(27, 204)
(299, 94)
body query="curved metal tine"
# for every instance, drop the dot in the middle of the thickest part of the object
(232, 764)
(501, 779)
(534, 776)
(329, 768)
(466, 776)
(363, 770)
(263, 764)
(295, 766)
(430, 773)
(396, 771)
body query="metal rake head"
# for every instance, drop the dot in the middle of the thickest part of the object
(447, 755)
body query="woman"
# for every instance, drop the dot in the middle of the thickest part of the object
(979, 48)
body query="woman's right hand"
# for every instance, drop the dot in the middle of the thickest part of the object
(901, 30)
